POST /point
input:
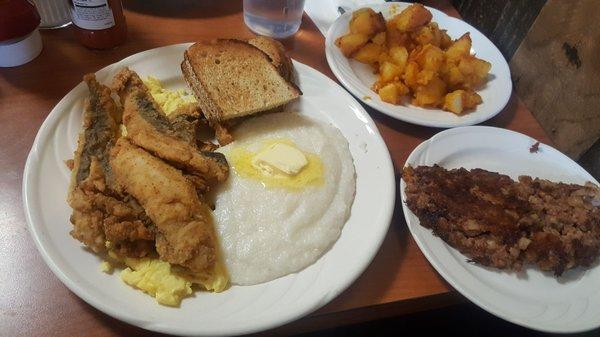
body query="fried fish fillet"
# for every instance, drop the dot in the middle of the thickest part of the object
(501, 223)
(185, 233)
(148, 127)
(100, 211)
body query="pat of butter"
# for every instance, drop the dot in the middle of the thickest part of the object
(280, 158)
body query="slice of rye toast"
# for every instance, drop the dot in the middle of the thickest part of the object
(232, 78)
(275, 50)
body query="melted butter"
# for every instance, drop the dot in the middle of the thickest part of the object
(243, 162)
(280, 159)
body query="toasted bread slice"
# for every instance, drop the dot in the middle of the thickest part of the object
(232, 78)
(275, 50)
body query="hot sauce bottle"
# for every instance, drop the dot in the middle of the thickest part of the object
(99, 24)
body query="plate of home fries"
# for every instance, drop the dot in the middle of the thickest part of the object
(419, 65)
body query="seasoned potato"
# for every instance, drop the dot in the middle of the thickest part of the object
(413, 56)
(425, 76)
(454, 102)
(399, 56)
(430, 95)
(445, 40)
(410, 74)
(388, 72)
(460, 100)
(429, 57)
(389, 93)
(474, 70)
(429, 34)
(383, 57)
(393, 92)
(453, 77)
(367, 21)
(460, 48)
(379, 38)
(368, 54)
(351, 43)
(412, 18)
(394, 37)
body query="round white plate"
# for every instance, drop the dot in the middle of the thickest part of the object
(532, 299)
(241, 309)
(358, 77)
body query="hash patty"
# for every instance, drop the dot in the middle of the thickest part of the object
(498, 222)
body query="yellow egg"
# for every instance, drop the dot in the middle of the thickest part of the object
(155, 278)
(169, 100)
(241, 160)
(169, 284)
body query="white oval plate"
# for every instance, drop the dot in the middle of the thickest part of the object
(238, 310)
(358, 77)
(533, 299)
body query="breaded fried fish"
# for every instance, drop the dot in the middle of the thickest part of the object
(148, 127)
(101, 212)
(185, 233)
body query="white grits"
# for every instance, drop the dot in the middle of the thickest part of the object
(267, 233)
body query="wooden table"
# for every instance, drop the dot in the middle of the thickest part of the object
(33, 302)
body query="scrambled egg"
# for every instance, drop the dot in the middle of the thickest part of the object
(155, 278)
(167, 283)
(169, 100)
(242, 160)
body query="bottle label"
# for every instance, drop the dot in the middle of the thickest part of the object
(92, 14)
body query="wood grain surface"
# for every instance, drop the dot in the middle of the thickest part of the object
(33, 302)
(555, 71)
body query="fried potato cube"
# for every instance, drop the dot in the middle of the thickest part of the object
(459, 48)
(411, 73)
(393, 92)
(429, 34)
(398, 56)
(474, 70)
(351, 43)
(429, 57)
(389, 72)
(460, 100)
(412, 18)
(430, 95)
(425, 76)
(379, 38)
(367, 21)
(453, 77)
(394, 37)
(383, 57)
(445, 39)
(472, 99)
(389, 93)
(369, 54)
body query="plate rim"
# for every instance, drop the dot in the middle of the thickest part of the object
(438, 265)
(36, 231)
(388, 110)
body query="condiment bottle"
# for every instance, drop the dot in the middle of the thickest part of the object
(99, 24)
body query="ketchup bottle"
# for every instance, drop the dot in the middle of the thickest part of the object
(99, 24)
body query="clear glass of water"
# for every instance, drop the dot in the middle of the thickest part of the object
(275, 18)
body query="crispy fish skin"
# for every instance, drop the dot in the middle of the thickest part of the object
(185, 233)
(100, 211)
(148, 127)
(501, 223)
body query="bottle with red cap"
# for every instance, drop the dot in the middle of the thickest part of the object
(20, 40)
(99, 24)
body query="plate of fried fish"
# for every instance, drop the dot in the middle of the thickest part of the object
(512, 224)
(212, 188)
